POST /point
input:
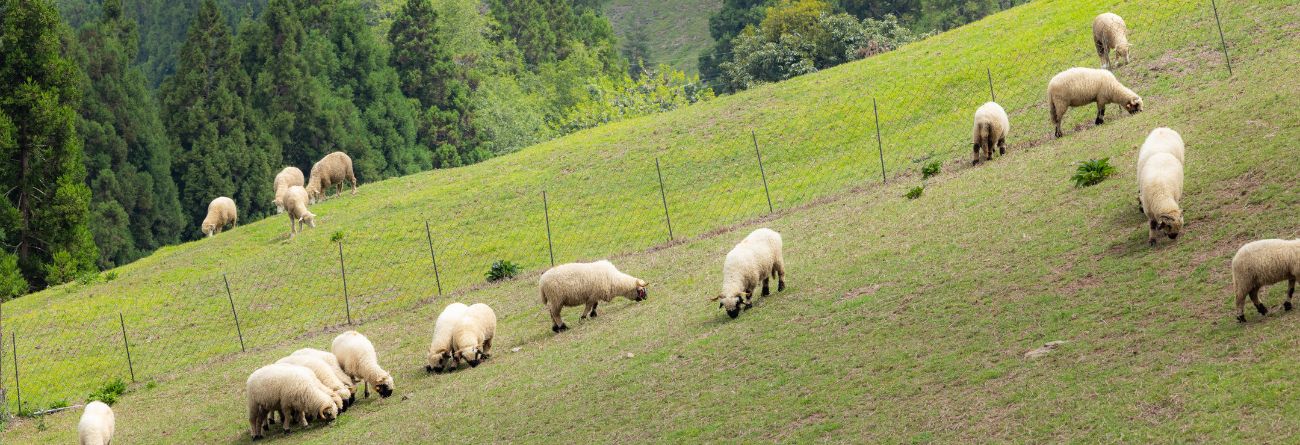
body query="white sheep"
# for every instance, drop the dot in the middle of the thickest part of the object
(1160, 188)
(288, 177)
(991, 128)
(333, 361)
(295, 201)
(1161, 140)
(96, 425)
(1081, 86)
(325, 373)
(1109, 32)
(335, 169)
(221, 212)
(585, 284)
(358, 359)
(291, 390)
(472, 337)
(1261, 263)
(757, 258)
(440, 352)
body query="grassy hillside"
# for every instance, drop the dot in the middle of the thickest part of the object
(905, 321)
(677, 31)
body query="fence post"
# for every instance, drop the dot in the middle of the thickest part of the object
(664, 195)
(761, 171)
(238, 330)
(131, 366)
(347, 305)
(436, 279)
(18, 385)
(546, 210)
(1223, 42)
(994, 97)
(879, 145)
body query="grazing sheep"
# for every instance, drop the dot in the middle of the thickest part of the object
(1261, 263)
(757, 258)
(472, 338)
(1160, 187)
(991, 128)
(295, 200)
(1109, 32)
(221, 211)
(96, 425)
(358, 359)
(440, 352)
(586, 284)
(1161, 140)
(333, 361)
(289, 389)
(333, 170)
(1081, 86)
(325, 373)
(288, 177)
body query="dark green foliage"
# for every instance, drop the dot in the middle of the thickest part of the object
(931, 168)
(547, 30)
(502, 270)
(45, 209)
(109, 392)
(1092, 172)
(636, 50)
(915, 192)
(734, 16)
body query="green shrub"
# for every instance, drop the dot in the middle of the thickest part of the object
(110, 276)
(336, 237)
(1092, 171)
(915, 192)
(109, 392)
(931, 168)
(501, 270)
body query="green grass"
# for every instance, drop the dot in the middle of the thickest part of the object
(677, 30)
(904, 321)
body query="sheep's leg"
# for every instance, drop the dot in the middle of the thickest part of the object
(975, 155)
(1254, 298)
(1290, 292)
(1101, 112)
(255, 419)
(766, 292)
(587, 311)
(354, 184)
(1153, 233)
(487, 346)
(1002, 146)
(302, 419)
(593, 308)
(284, 420)
(365, 388)
(1241, 306)
(1058, 113)
(778, 269)
(1104, 54)
(557, 323)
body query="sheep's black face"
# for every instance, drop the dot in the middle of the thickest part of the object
(429, 369)
(384, 390)
(1133, 106)
(640, 294)
(733, 313)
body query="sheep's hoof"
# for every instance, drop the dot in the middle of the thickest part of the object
(593, 313)
(1286, 306)
(1241, 318)
(766, 292)
(780, 286)
(1262, 310)
(1100, 121)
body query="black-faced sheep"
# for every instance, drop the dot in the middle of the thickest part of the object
(586, 284)
(472, 338)
(295, 201)
(1160, 188)
(221, 212)
(440, 352)
(291, 390)
(757, 258)
(1081, 86)
(333, 170)
(325, 374)
(96, 425)
(358, 359)
(288, 177)
(1109, 33)
(1261, 263)
(1161, 140)
(991, 128)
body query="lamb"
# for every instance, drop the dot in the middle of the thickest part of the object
(756, 258)
(96, 425)
(440, 352)
(1161, 140)
(586, 284)
(358, 359)
(1261, 263)
(295, 200)
(472, 337)
(1109, 32)
(330, 359)
(325, 373)
(221, 211)
(1160, 187)
(333, 170)
(1081, 86)
(991, 128)
(288, 177)
(288, 389)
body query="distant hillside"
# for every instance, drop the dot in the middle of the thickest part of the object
(676, 31)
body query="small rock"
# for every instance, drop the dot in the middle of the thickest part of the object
(1044, 350)
(516, 349)
(406, 397)
(630, 355)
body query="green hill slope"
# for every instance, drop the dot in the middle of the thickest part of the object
(905, 321)
(676, 31)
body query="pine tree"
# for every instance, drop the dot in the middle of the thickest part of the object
(44, 216)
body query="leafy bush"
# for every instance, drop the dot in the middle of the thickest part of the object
(1092, 171)
(109, 392)
(336, 237)
(110, 276)
(931, 168)
(501, 270)
(915, 192)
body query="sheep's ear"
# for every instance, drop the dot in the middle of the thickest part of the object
(642, 283)
(715, 297)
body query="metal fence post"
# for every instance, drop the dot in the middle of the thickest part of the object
(436, 279)
(1223, 42)
(664, 196)
(18, 385)
(347, 305)
(761, 171)
(879, 145)
(546, 209)
(129, 364)
(238, 330)
(994, 97)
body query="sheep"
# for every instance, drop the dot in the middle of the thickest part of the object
(472, 337)
(1161, 140)
(1160, 187)
(1261, 263)
(757, 258)
(440, 352)
(295, 200)
(332, 170)
(1080, 86)
(358, 359)
(333, 361)
(1109, 32)
(288, 389)
(991, 128)
(585, 284)
(221, 211)
(325, 373)
(96, 425)
(288, 177)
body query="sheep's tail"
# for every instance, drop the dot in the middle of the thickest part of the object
(543, 292)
